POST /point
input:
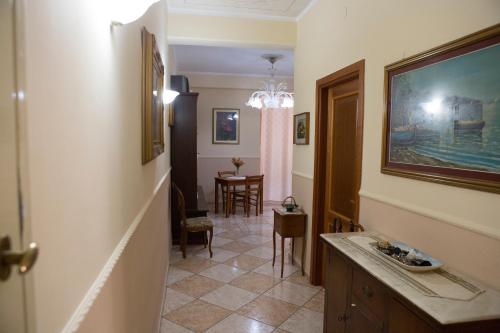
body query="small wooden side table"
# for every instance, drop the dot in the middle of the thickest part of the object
(289, 224)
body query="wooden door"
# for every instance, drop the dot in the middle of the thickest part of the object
(341, 174)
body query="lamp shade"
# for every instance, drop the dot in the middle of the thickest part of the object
(126, 11)
(169, 96)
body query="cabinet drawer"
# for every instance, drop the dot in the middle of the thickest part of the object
(370, 292)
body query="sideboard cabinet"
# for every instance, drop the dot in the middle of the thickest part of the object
(357, 302)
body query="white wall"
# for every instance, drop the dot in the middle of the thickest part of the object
(328, 39)
(216, 157)
(84, 126)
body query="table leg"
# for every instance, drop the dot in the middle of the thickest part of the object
(228, 202)
(303, 253)
(262, 199)
(274, 245)
(216, 210)
(293, 246)
(282, 254)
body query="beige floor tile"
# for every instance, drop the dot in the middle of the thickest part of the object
(255, 282)
(246, 262)
(257, 239)
(239, 324)
(174, 300)
(238, 246)
(304, 320)
(167, 326)
(292, 293)
(234, 235)
(268, 310)
(219, 230)
(262, 252)
(195, 264)
(219, 241)
(278, 330)
(176, 274)
(196, 286)
(317, 303)
(268, 269)
(223, 273)
(220, 255)
(298, 278)
(229, 297)
(198, 315)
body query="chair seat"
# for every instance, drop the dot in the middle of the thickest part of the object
(201, 223)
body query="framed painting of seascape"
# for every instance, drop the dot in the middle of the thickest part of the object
(442, 119)
(225, 126)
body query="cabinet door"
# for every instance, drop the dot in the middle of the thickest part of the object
(338, 285)
(401, 319)
(361, 320)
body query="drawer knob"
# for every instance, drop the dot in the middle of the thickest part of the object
(367, 291)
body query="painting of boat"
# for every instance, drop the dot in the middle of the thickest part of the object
(443, 115)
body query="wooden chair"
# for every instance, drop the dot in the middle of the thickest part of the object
(194, 224)
(224, 188)
(344, 224)
(250, 196)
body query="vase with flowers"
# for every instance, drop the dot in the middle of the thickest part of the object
(237, 162)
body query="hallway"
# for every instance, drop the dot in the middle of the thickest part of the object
(238, 290)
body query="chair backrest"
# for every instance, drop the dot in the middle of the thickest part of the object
(226, 173)
(181, 203)
(253, 183)
(345, 224)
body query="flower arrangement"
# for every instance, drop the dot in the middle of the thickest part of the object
(237, 162)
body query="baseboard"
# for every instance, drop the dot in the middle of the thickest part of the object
(85, 305)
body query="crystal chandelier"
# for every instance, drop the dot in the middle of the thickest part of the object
(274, 94)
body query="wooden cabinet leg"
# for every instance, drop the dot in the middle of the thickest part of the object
(274, 245)
(282, 254)
(303, 253)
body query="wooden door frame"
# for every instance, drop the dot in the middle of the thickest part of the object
(356, 70)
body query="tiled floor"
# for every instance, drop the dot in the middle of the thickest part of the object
(238, 290)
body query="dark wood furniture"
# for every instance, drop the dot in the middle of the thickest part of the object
(224, 189)
(250, 196)
(183, 138)
(357, 302)
(231, 181)
(289, 225)
(195, 224)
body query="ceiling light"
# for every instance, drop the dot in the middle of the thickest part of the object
(126, 11)
(169, 96)
(274, 95)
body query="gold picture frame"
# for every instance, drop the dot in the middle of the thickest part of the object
(153, 72)
(301, 128)
(437, 142)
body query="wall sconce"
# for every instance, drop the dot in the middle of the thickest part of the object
(126, 11)
(169, 96)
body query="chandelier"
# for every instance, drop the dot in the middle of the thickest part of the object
(273, 95)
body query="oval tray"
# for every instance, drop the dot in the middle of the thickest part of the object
(435, 264)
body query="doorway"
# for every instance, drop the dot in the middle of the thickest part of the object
(338, 155)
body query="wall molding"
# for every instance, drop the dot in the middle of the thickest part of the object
(430, 213)
(217, 157)
(206, 12)
(88, 300)
(305, 10)
(302, 175)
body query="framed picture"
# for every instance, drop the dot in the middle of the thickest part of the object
(152, 100)
(226, 126)
(301, 128)
(442, 119)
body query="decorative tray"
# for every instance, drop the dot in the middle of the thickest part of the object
(407, 257)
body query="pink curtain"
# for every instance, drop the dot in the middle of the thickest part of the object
(276, 140)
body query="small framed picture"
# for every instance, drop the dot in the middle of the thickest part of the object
(225, 126)
(301, 129)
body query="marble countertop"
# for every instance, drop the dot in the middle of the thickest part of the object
(446, 311)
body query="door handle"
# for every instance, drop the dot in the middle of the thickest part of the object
(25, 260)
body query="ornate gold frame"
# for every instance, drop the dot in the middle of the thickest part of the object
(152, 71)
(430, 176)
(308, 115)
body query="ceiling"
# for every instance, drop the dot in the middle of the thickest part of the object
(286, 9)
(230, 60)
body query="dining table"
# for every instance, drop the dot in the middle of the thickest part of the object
(229, 182)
